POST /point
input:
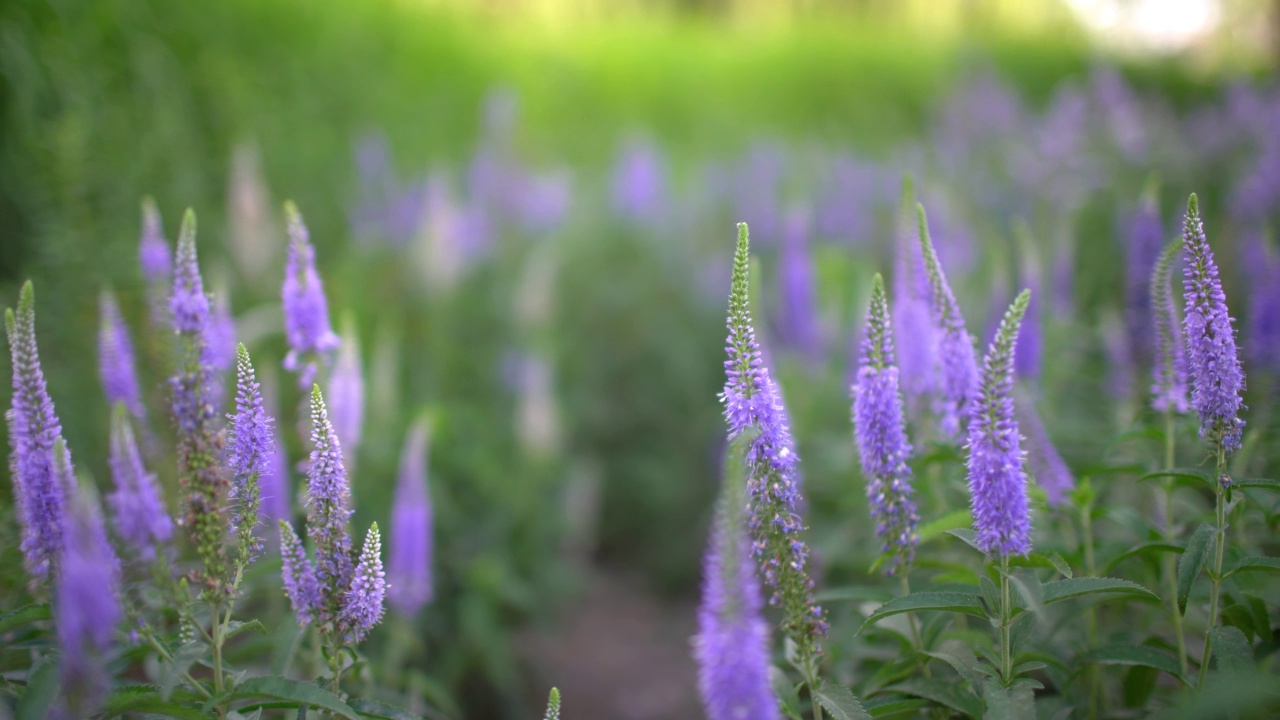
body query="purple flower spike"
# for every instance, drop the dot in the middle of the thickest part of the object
(1169, 368)
(917, 338)
(306, 310)
(997, 484)
(136, 506)
(115, 358)
(328, 510)
(752, 401)
(1047, 466)
(188, 304)
(299, 577)
(34, 429)
(346, 392)
(153, 250)
(882, 441)
(409, 561)
(732, 644)
(364, 601)
(1217, 379)
(222, 334)
(640, 183)
(957, 363)
(250, 456)
(86, 601)
(277, 496)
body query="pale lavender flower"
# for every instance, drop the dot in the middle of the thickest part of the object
(1217, 380)
(997, 484)
(759, 189)
(250, 455)
(409, 559)
(883, 449)
(1169, 366)
(116, 359)
(34, 430)
(328, 510)
(222, 334)
(364, 601)
(137, 508)
(798, 288)
(1028, 359)
(306, 310)
(639, 187)
(916, 337)
(299, 576)
(277, 495)
(1048, 468)
(86, 601)
(545, 199)
(346, 393)
(153, 250)
(957, 364)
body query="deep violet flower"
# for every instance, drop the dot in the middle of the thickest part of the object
(878, 423)
(328, 510)
(116, 358)
(86, 600)
(250, 457)
(997, 484)
(306, 310)
(1169, 366)
(752, 400)
(1047, 466)
(957, 365)
(732, 644)
(137, 508)
(34, 430)
(1217, 379)
(299, 576)
(409, 557)
(364, 601)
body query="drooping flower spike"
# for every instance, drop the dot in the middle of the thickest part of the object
(997, 483)
(306, 310)
(250, 458)
(409, 556)
(878, 420)
(1169, 367)
(137, 507)
(751, 400)
(957, 364)
(204, 483)
(1217, 379)
(732, 644)
(34, 430)
(116, 358)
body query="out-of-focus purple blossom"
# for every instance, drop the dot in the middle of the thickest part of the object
(346, 393)
(328, 510)
(997, 484)
(299, 576)
(545, 199)
(1121, 112)
(1047, 466)
(1217, 380)
(409, 557)
(306, 310)
(137, 509)
(1256, 196)
(917, 339)
(1146, 239)
(1028, 359)
(153, 250)
(537, 412)
(277, 495)
(878, 423)
(799, 326)
(364, 602)
(250, 454)
(250, 232)
(34, 432)
(1121, 369)
(188, 303)
(849, 198)
(222, 334)
(1169, 364)
(758, 190)
(732, 644)
(116, 358)
(639, 186)
(1262, 341)
(957, 365)
(86, 600)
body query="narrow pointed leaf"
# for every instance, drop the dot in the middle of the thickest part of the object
(1192, 559)
(1137, 655)
(281, 688)
(1231, 651)
(235, 627)
(952, 601)
(146, 699)
(840, 703)
(1182, 476)
(961, 658)
(1060, 590)
(1146, 548)
(382, 711)
(42, 688)
(1256, 483)
(966, 535)
(1017, 702)
(1255, 564)
(943, 691)
(24, 615)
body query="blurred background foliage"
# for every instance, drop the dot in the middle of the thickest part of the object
(607, 336)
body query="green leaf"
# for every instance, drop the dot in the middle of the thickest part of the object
(990, 595)
(42, 687)
(787, 693)
(280, 688)
(1016, 702)
(146, 699)
(1258, 483)
(951, 521)
(1060, 590)
(381, 711)
(892, 707)
(24, 615)
(967, 535)
(1136, 655)
(942, 691)
(1255, 564)
(1145, 548)
(1231, 651)
(1191, 561)
(840, 703)
(235, 627)
(1183, 476)
(961, 658)
(171, 672)
(952, 601)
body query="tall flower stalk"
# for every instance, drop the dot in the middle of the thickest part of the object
(155, 259)
(138, 510)
(116, 358)
(752, 400)
(997, 483)
(306, 310)
(1217, 381)
(409, 560)
(957, 364)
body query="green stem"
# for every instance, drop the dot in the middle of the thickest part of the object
(1215, 580)
(916, 643)
(186, 675)
(1006, 612)
(1091, 614)
(1170, 562)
